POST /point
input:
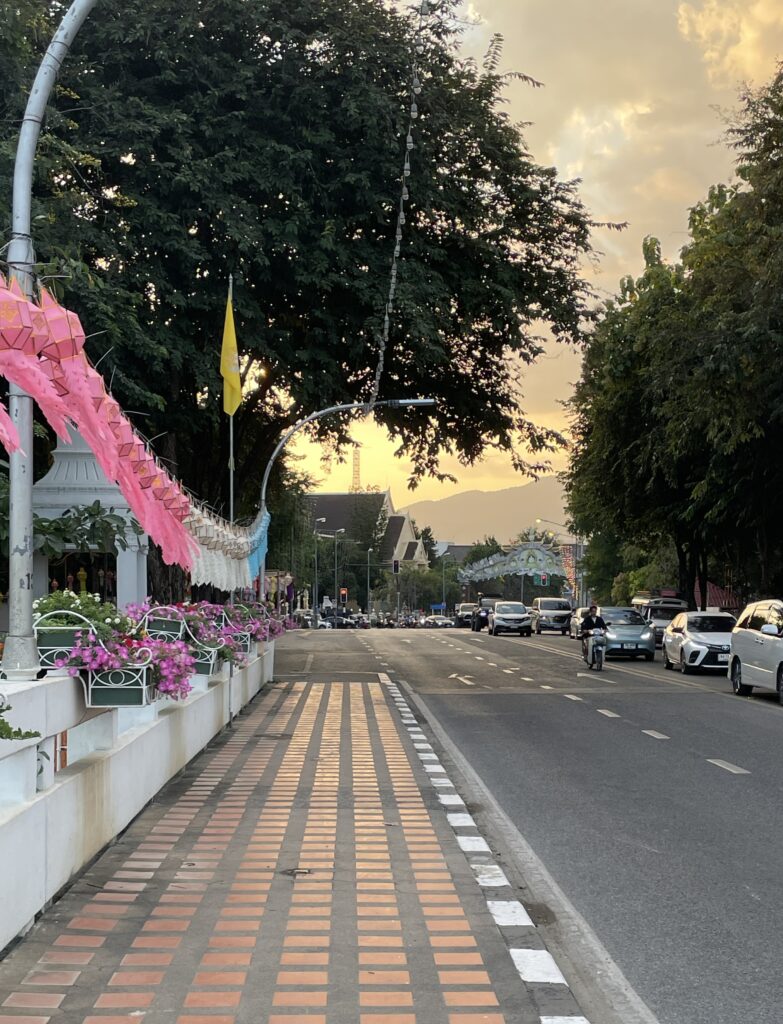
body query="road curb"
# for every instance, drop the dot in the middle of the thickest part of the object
(579, 961)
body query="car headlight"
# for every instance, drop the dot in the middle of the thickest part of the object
(647, 634)
(611, 636)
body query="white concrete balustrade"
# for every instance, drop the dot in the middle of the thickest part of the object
(53, 823)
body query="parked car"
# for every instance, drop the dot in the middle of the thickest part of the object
(463, 615)
(550, 613)
(575, 625)
(697, 641)
(756, 657)
(509, 617)
(627, 634)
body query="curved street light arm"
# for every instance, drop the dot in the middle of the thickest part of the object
(20, 656)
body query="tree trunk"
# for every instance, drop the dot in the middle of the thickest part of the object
(166, 584)
(682, 568)
(693, 567)
(703, 578)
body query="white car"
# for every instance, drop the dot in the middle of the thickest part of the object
(509, 617)
(697, 641)
(757, 649)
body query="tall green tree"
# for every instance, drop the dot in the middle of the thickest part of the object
(265, 140)
(679, 405)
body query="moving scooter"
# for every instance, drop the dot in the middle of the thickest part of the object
(595, 649)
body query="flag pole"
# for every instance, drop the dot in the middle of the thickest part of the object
(231, 430)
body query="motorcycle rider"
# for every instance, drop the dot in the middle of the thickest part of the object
(591, 621)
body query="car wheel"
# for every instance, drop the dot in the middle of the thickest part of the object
(538, 631)
(649, 657)
(666, 663)
(780, 684)
(684, 667)
(563, 631)
(737, 685)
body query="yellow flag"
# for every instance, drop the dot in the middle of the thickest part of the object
(229, 364)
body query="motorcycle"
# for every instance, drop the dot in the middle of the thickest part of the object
(595, 649)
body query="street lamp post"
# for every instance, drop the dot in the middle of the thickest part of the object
(369, 603)
(336, 588)
(315, 579)
(391, 403)
(443, 578)
(20, 655)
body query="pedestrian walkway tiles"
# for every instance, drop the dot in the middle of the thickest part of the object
(301, 870)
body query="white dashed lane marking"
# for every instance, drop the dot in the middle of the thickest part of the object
(509, 914)
(607, 713)
(564, 1020)
(571, 696)
(728, 766)
(473, 844)
(537, 966)
(655, 735)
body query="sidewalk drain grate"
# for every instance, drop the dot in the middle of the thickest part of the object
(295, 872)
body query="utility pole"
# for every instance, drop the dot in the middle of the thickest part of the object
(369, 602)
(315, 578)
(336, 587)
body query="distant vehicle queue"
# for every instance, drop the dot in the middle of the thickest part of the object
(749, 649)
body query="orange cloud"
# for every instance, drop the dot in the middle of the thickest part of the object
(738, 39)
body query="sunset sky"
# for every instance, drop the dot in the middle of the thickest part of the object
(631, 105)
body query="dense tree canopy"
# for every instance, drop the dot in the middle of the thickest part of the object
(265, 139)
(679, 410)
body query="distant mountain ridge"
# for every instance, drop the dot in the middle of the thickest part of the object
(469, 516)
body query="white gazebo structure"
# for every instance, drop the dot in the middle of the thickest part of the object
(76, 479)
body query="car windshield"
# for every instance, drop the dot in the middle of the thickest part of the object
(711, 623)
(621, 617)
(664, 614)
(510, 609)
(555, 606)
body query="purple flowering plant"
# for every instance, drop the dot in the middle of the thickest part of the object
(171, 662)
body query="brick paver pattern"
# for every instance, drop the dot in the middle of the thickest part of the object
(298, 872)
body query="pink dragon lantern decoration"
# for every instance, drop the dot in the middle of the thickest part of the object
(23, 333)
(42, 352)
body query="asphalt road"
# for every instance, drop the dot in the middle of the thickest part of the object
(652, 798)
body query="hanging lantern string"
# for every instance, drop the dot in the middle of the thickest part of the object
(425, 8)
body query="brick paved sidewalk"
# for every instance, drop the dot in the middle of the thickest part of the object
(302, 870)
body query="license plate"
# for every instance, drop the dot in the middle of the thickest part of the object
(629, 647)
(723, 657)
